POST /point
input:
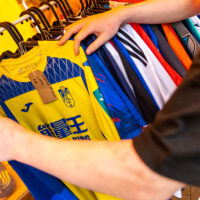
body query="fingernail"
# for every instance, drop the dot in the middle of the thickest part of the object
(76, 53)
(60, 42)
(88, 51)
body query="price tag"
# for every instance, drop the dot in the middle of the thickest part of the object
(43, 86)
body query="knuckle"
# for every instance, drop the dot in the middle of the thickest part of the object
(77, 38)
(90, 26)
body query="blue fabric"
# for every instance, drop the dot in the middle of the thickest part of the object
(113, 68)
(106, 6)
(133, 65)
(151, 34)
(126, 117)
(36, 187)
(41, 185)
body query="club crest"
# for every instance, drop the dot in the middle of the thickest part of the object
(66, 97)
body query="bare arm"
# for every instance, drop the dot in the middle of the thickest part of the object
(107, 24)
(108, 167)
(162, 11)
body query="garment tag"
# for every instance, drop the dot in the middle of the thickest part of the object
(43, 86)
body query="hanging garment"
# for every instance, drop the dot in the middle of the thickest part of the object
(113, 64)
(167, 52)
(127, 119)
(177, 46)
(187, 39)
(111, 49)
(41, 185)
(151, 35)
(175, 77)
(155, 76)
(196, 22)
(143, 95)
(188, 23)
(119, 70)
(79, 111)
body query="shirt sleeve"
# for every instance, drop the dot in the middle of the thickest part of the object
(170, 145)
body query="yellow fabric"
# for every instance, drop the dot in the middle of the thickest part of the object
(83, 102)
(10, 11)
(2, 113)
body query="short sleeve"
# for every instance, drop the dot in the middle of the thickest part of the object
(170, 145)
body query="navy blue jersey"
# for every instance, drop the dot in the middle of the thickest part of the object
(126, 117)
(113, 68)
(144, 96)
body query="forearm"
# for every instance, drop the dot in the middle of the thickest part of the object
(160, 11)
(109, 167)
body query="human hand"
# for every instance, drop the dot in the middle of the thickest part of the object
(10, 134)
(104, 26)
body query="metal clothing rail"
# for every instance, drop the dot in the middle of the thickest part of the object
(25, 17)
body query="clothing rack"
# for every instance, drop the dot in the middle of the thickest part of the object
(25, 17)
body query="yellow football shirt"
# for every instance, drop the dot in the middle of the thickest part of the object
(79, 113)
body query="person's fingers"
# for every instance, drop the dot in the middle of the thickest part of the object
(103, 38)
(81, 36)
(70, 31)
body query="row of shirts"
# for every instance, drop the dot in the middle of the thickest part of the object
(113, 93)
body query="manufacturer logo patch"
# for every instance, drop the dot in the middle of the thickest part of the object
(27, 107)
(189, 41)
(66, 97)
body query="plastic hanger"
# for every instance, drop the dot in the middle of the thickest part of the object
(93, 8)
(103, 2)
(53, 11)
(82, 5)
(16, 39)
(84, 10)
(64, 6)
(87, 4)
(51, 32)
(99, 6)
(15, 29)
(22, 44)
(41, 16)
(36, 23)
(69, 8)
(11, 32)
(70, 17)
(61, 8)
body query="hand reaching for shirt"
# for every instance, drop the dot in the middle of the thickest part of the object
(104, 26)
